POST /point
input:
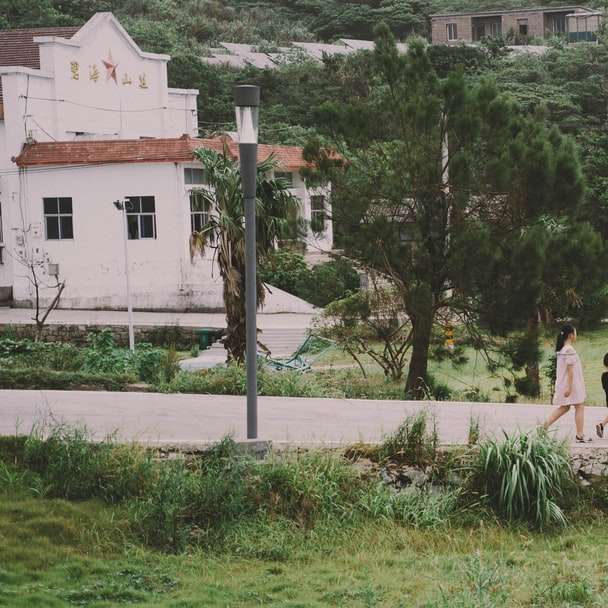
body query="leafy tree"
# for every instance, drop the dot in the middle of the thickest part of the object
(224, 233)
(450, 206)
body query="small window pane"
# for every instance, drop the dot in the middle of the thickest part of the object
(134, 205)
(52, 227)
(67, 231)
(50, 205)
(147, 204)
(194, 176)
(65, 205)
(147, 226)
(133, 226)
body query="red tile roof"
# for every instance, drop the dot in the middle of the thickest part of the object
(17, 47)
(114, 151)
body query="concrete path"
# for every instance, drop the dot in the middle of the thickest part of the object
(119, 317)
(176, 419)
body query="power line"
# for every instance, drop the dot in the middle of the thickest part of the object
(102, 109)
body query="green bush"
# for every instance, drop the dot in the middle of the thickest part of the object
(328, 282)
(57, 356)
(525, 477)
(284, 269)
(318, 285)
(32, 378)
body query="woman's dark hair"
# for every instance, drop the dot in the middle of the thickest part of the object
(567, 330)
(606, 360)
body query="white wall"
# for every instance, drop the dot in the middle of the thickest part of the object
(162, 275)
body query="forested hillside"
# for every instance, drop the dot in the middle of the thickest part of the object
(175, 25)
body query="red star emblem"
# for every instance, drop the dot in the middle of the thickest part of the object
(110, 68)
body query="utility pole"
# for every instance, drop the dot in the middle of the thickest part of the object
(122, 206)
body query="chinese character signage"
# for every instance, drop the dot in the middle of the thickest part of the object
(111, 72)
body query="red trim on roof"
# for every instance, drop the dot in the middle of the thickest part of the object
(174, 150)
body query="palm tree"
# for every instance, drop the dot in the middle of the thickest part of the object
(224, 232)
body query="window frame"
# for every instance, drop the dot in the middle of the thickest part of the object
(451, 31)
(522, 23)
(191, 170)
(141, 216)
(318, 215)
(58, 215)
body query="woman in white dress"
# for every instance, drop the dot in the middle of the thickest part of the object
(569, 383)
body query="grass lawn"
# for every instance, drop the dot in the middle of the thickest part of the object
(591, 345)
(59, 554)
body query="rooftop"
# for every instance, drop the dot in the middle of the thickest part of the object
(538, 9)
(181, 149)
(17, 47)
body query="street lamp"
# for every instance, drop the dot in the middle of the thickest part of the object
(247, 102)
(122, 206)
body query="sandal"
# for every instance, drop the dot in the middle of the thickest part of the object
(599, 429)
(583, 439)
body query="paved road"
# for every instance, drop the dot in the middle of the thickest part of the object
(150, 417)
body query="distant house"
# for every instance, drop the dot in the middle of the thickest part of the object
(88, 118)
(520, 24)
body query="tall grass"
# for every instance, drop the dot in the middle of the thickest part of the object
(525, 477)
(412, 443)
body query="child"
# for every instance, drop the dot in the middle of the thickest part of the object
(599, 429)
(569, 383)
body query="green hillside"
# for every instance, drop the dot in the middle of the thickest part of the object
(173, 25)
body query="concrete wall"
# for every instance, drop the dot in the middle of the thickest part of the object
(439, 29)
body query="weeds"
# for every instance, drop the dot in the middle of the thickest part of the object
(412, 443)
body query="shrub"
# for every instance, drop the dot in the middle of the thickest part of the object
(525, 477)
(328, 282)
(318, 285)
(32, 378)
(411, 443)
(284, 269)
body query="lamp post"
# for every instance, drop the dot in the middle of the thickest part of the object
(247, 102)
(122, 206)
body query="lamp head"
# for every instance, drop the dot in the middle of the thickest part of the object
(247, 102)
(118, 205)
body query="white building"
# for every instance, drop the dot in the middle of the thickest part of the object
(87, 118)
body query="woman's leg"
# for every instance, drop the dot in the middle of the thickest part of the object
(556, 414)
(579, 419)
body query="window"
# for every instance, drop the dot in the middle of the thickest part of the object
(558, 24)
(58, 218)
(452, 31)
(194, 176)
(495, 29)
(522, 27)
(141, 217)
(285, 175)
(199, 211)
(317, 214)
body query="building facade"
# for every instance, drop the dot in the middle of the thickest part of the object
(521, 25)
(88, 119)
